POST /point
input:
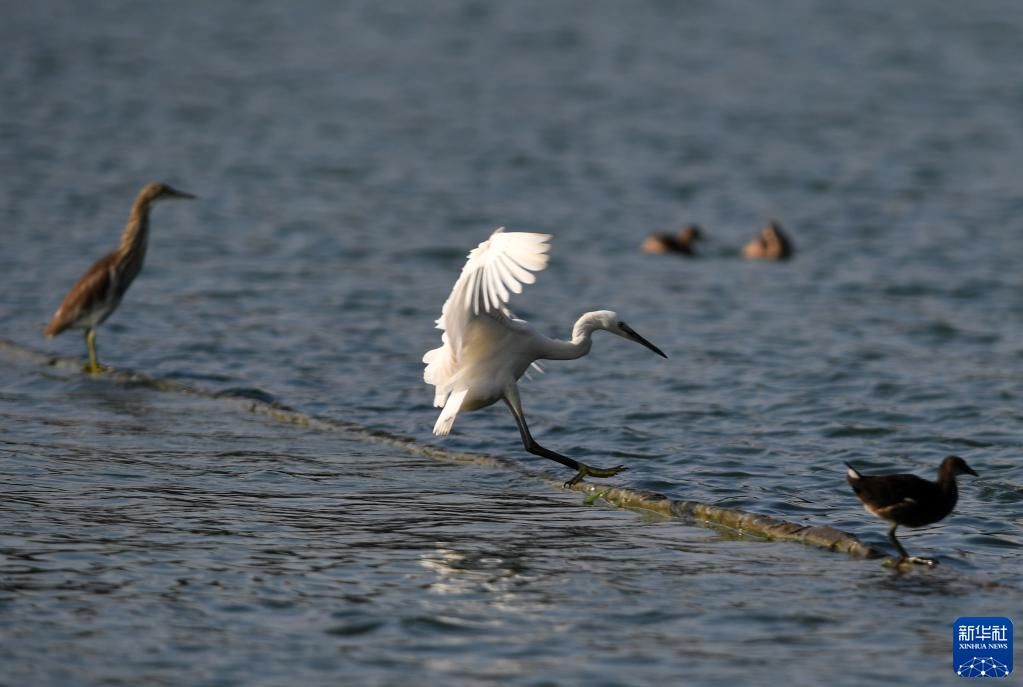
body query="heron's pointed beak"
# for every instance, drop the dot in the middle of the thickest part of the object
(970, 471)
(174, 193)
(631, 333)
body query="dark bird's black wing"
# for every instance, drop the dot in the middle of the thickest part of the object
(906, 499)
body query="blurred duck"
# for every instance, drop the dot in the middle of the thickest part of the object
(681, 242)
(770, 244)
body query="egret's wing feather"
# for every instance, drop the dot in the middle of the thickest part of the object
(495, 270)
(500, 263)
(535, 367)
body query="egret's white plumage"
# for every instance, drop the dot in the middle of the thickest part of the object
(486, 349)
(498, 266)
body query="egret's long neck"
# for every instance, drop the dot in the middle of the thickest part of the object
(580, 344)
(135, 238)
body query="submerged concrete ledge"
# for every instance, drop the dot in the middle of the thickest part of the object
(743, 522)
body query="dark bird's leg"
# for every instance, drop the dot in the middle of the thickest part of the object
(903, 556)
(93, 366)
(895, 542)
(512, 399)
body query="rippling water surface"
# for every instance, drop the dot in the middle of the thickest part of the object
(347, 156)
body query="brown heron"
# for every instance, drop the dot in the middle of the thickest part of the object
(681, 242)
(910, 500)
(97, 294)
(770, 243)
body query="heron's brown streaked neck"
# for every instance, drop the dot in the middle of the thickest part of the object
(136, 231)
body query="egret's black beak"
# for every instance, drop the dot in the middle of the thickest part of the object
(631, 333)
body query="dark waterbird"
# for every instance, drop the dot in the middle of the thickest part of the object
(96, 295)
(910, 500)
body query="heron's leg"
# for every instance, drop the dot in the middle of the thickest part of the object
(511, 397)
(93, 365)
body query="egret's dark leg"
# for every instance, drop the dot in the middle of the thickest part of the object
(903, 556)
(515, 405)
(90, 343)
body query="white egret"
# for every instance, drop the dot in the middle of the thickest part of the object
(486, 349)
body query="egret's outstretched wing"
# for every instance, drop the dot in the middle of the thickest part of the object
(495, 269)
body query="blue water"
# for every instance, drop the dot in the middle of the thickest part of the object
(347, 156)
